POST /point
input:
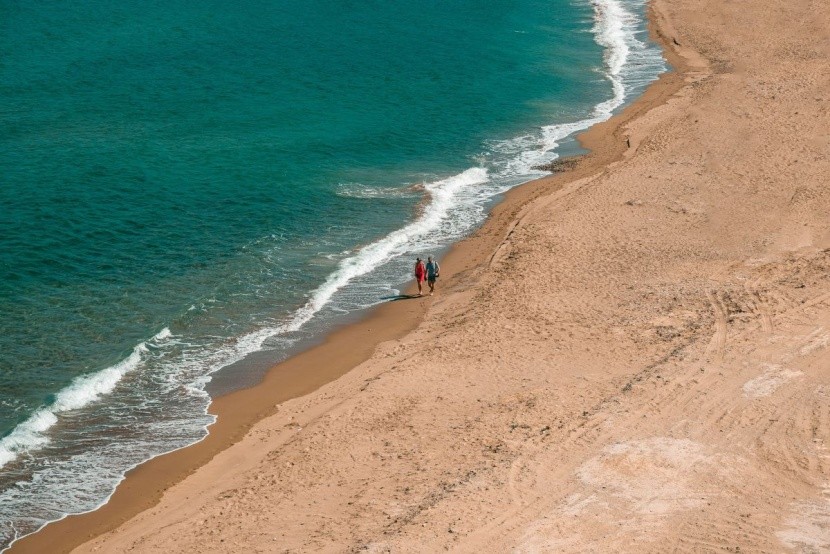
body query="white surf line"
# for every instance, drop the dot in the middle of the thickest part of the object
(82, 391)
(615, 30)
(442, 195)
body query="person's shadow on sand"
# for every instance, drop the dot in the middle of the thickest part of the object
(397, 297)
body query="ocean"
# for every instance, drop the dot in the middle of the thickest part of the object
(186, 184)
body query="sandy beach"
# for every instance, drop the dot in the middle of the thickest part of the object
(630, 356)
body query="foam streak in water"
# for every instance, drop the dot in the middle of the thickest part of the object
(31, 434)
(442, 198)
(615, 29)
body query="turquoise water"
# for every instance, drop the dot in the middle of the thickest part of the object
(183, 184)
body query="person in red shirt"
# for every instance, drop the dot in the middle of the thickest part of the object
(420, 274)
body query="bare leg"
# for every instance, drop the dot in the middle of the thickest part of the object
(420, 291)
(431, 287)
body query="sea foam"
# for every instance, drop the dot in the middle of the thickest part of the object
(83, 390)
(442, 193)
(616, 29)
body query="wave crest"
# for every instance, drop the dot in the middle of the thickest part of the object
(81, 392)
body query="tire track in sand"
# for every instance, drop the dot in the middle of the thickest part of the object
(721, 313)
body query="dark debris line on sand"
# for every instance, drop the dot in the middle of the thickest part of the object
(559, 165)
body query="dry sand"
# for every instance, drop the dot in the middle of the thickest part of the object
(633, 357)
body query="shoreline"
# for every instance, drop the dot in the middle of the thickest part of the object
(238, 411)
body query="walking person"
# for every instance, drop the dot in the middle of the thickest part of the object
(433, 269)
(420, 274)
